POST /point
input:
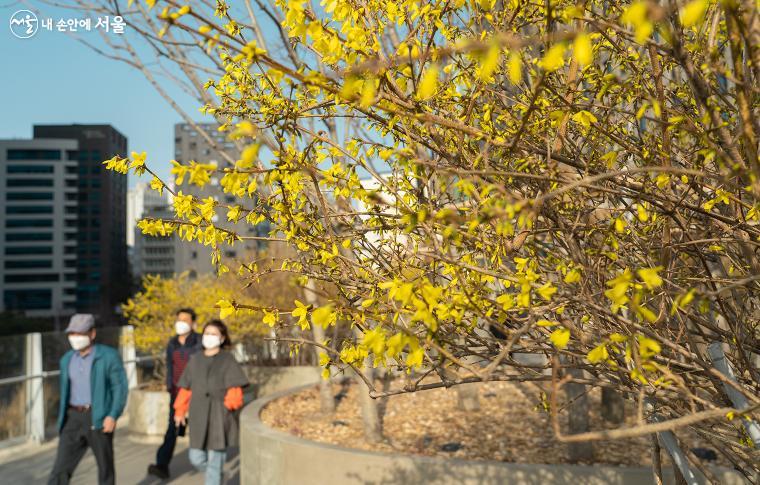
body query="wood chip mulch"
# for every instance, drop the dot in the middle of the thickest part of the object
(509, 426)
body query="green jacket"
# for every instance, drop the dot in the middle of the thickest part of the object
(108, 384)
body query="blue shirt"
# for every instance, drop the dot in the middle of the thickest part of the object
(79, 376)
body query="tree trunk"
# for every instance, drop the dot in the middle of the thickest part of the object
(370, 416)
(467, 397)
(326, 398)
(613, 407)
(578, 419)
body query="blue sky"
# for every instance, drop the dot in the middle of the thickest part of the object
(53, 78)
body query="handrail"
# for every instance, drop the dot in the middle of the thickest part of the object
(53, 373)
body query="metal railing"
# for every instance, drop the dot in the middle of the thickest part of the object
(54, 373)
(28, 398)
(33, 378)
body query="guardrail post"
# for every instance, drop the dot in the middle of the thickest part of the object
(718, 357)
(669, 442)
(128, 354)
(35, 399)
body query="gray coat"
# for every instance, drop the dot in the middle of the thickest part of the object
(212, 426)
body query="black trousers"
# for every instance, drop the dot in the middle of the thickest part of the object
(166, 451)
(76, 436)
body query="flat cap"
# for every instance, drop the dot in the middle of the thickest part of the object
(80, 323)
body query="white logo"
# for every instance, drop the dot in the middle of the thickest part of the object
(24, 24)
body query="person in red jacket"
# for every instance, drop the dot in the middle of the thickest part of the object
(210, 397)
(180, 348)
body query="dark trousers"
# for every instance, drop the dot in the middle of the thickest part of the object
(76, 436)
(166, 451)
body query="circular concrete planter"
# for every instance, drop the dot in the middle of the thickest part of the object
(271, 457)
(148, 413)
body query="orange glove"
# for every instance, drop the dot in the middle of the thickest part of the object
(234, 398)
(182, 402)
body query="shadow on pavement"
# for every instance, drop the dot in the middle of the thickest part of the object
(181, 470)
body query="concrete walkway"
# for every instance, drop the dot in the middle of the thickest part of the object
(30, 464)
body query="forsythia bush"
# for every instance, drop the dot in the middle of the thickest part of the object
(153, 310)
(577, 180)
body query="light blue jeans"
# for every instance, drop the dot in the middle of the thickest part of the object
(210, 461)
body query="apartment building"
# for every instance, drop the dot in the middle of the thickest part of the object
(191, 144)
(102, 269)
(38, 226)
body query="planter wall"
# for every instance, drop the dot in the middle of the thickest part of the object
(270, 380)
(271, 457)
(148, 412)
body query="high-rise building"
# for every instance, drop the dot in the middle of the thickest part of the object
(102, 270)
(38, 226)
(190, 144)
(149, 254)
(155, 255)
(140, 199)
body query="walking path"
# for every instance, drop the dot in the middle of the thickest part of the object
(30, 464)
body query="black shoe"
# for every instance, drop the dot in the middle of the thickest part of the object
(159, 471)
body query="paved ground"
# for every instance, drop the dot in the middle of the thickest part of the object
(31, 464)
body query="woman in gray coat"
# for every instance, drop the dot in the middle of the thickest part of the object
(211, 387)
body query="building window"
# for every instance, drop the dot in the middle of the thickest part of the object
(37, 299)
(29, 196)
(31, 154)
(29, 183)
(28, 209)
(32, 278)
(30, 169)
(28, 223)
(24, 250)
(229, 254)
(28, 264)
(24, 236)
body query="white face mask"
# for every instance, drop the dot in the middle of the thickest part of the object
(211, 341)
(79, 342)
(181, 327)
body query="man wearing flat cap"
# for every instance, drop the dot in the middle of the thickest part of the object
(93, 395)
